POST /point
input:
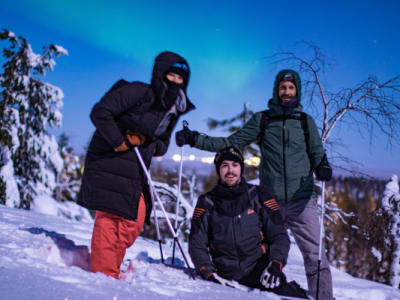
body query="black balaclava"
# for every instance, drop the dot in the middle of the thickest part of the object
(173, 88)
(165, 62)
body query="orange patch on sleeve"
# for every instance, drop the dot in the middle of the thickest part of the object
(272, 204)
(198, 212)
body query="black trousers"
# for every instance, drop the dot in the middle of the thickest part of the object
(253, 278)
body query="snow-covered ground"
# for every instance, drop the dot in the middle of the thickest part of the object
(45, 257)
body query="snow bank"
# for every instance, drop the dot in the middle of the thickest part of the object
(68, 210)
(49, 255)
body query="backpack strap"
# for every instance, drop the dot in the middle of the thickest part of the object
(254, 197)
(255, 202)
(304, 126)
(208, 200)
(263, 126)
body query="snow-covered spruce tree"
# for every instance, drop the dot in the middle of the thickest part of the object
(165, 183)
(391, 205)
(69, 178)
(28, 106)
(357, 244)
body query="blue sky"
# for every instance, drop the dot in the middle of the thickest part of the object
(226, 43)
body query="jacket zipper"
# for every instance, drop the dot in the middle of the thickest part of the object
(284, 158)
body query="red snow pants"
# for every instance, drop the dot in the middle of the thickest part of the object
(112, 235)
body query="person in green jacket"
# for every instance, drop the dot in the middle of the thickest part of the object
(291, 150)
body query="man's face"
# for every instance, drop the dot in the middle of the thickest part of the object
(173, 77)
(287, 90)
(229, 172)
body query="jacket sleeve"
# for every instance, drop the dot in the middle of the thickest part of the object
(198, 240)
(161, 145)
(162, 142)
(112, 105)
(241, 138)
(315, 144)
(275, 233)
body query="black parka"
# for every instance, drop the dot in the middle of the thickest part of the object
(235, 231)
(113, 181)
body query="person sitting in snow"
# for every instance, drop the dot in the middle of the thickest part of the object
(237, 232)
(114, 185)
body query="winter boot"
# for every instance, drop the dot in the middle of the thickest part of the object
(291, 289)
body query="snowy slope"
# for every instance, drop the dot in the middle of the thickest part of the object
(44, 257)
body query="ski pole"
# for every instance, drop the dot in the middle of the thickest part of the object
(157, 227)
(139, 156)
(320, 235)
(185, 125)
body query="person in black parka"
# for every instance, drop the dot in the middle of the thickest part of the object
(114, 184)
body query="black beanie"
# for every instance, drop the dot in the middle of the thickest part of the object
(180, 69)
(229, 153)
(288, 77)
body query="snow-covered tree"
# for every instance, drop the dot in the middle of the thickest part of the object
(69, 179)
(391, 205)
(165, 183)
(28, 106)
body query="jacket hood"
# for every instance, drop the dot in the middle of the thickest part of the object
(162, 64)
(274, 102)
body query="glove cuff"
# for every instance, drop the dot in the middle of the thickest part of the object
(209, 276)
(279, 263)
(128, 143)
(193, 138)
(206, 272)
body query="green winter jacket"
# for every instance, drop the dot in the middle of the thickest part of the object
(285, 169)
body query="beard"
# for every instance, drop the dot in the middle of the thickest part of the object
(230, 179)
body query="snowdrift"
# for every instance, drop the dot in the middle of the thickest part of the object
(47, 257)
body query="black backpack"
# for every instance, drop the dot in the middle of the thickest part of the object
(265, 119)
(120, 83)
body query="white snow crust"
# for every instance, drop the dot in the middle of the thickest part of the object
(44, 256)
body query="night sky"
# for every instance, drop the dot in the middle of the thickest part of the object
(227, 44)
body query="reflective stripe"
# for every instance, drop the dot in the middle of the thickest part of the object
(264, 250)
(272, 204)
(198, 212)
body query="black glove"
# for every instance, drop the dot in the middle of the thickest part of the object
(186, 137)
(324, 170)
(273, 276)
